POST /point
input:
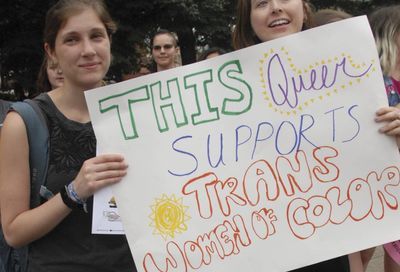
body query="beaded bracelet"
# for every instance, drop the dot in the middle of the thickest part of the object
(74, 195)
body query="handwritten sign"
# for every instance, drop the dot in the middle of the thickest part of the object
(267, 158)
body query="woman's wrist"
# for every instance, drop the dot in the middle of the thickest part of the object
(74, 195)
(71, 198)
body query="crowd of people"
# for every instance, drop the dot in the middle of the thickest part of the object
(77, 42)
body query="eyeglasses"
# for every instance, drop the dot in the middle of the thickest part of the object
(165, 46)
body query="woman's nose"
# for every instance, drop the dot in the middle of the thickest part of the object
(276, 6)
(88, 49)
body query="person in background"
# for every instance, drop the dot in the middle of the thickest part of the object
(385, 25)
(77, 36)
(143, 70)
(326, 16)
(386, 31)
(164, 49)
(260, 21)
(211, 53)
(50, 76)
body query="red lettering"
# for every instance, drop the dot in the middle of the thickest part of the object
(326, 171)
(230, 236)
(199, 187)
(305, 216)
(263, 223)
(226, 192)
(298, 175)
(340, 209)
(388, 180)
(260, 174)
(175, 260)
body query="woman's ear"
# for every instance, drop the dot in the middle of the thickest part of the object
(308, 19)
(50, 54)
(305, 11)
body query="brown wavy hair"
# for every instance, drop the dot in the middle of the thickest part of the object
(243, 34)
(58, 15)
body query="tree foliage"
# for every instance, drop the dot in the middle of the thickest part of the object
(198, 23)
(21, 24)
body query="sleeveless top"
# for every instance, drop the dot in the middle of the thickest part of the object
(70, 246)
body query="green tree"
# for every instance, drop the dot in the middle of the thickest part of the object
(21, 24)
(197, 22)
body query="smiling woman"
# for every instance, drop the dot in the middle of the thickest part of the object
(281, 17)
(264, 20)
(77, 38)
(82, 50)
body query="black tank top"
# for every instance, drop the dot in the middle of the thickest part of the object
(71, 246)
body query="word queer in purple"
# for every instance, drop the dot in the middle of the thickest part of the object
(285, 88)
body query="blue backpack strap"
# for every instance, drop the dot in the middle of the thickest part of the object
(4, 107)
(38, 139)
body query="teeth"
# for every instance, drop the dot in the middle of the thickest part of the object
(279, 22)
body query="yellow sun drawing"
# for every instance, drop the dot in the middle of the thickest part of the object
(168, 216)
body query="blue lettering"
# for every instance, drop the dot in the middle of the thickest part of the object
(195, 161)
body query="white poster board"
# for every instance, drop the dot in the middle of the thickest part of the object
(264, 159)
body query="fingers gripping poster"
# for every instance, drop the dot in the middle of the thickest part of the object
(263, 159)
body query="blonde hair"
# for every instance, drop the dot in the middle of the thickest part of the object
(385, 25)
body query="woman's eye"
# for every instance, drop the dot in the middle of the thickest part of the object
(261, 3)
(70, 40)
(98, 36)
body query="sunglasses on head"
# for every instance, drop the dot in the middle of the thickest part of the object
(165, 46)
